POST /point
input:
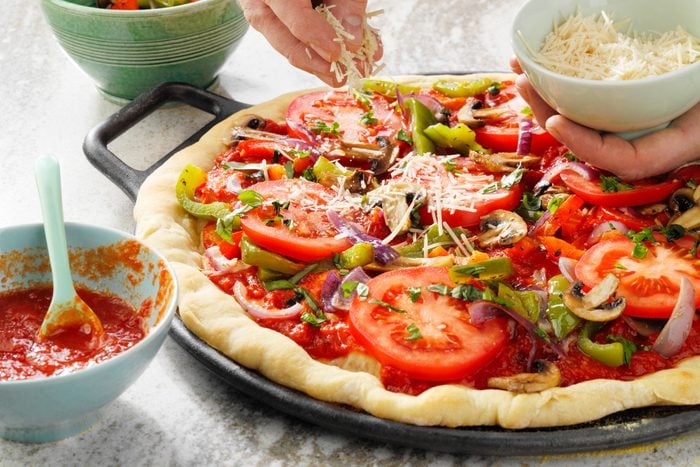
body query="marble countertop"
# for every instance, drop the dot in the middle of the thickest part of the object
(178, 413)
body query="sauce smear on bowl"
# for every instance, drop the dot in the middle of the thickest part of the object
(23, 356)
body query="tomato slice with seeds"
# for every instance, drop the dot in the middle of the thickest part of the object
(430, 338)
(354, 124)
(650, 284)
(301, 229)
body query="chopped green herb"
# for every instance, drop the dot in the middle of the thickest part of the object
(322, 128)
(570, 156)
(308, 174)
(413, 293)
(413, 332)
(628, 347)
(440, 289)
(467, 292)
(386, 305)
(694, 248)
(362, 98)
(289, 169)
(619, 266)
(526, 111)
(403, 136)
(612, 184)
(673, 232)
(512, 178)
(368, 118)
(251, 198)
(554, 203)
(451, 166)
(312, 319)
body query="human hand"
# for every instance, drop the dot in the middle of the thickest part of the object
(302, 34)
(652, 154)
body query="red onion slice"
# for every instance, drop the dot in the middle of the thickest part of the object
(603, 227)
(677, 329)
(218, 262)
(258, 311)
(383, 254)
(567, 266)
(483, 310)
(586, 171)
(524, 137)
(338, 300)
(434, 105)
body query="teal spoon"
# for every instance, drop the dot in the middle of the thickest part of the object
(67, 310)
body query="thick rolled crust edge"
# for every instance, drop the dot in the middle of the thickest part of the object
(217, 319)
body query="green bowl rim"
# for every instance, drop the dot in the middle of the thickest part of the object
(130, 14)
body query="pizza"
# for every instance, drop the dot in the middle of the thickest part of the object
(419, 249)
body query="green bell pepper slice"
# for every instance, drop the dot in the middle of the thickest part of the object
(327, 173)
(255, 256)
(190, 178)
(490, 269)
(460, 137)
(563, 321)
(420, 118)
(359, 254)
(462, 88)
(415, 249)
(612, 354)
(524, 302)
(387, 88)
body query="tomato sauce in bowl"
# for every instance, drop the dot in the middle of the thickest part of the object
(23, 356)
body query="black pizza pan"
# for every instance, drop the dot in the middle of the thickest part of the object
(617, 431)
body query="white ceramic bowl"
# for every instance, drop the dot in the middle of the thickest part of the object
(631, 107)
(55, 407)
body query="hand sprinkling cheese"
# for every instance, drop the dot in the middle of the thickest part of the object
(333, 41)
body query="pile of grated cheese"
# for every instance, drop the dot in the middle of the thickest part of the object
(592, 47)
(353, 66)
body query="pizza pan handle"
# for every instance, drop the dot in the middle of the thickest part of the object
(121, 174)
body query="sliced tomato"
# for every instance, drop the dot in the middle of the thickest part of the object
(651, 284)
(641, 192)
(567, 215)
(500, 134)
(354, 124)
(463, 194)
(430, 338)
(301, 230)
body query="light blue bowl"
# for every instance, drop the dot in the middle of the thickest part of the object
(49, 409)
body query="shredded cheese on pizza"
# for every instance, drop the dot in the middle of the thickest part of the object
(353, 66)
(593, 47)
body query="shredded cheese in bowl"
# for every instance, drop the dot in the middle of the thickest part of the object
(594, 47)
(353, 66)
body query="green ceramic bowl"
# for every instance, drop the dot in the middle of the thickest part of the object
(128, 52)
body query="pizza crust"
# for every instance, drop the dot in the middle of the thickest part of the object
(216, 318)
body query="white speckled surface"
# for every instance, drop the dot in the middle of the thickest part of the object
(178, 413)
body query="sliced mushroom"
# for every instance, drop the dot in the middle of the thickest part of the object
(378, 156)
(690, 219)
(681, 200)
(503, 161)
(501, 228)
(594, 305)
(253, 130)
(685, 203)
(651, 209)
(397, 200)
(546, 376)
(466, 113)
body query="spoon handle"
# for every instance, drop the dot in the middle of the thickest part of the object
(48, 180)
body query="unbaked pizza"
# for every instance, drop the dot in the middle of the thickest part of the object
(420, 249)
